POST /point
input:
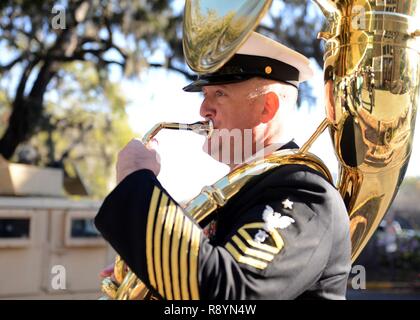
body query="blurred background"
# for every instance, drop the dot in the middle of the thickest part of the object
(78, 80)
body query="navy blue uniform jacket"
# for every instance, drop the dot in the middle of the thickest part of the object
(285, 235)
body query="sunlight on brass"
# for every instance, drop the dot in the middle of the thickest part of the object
(109, 288)
(308, 144)
(215, 29)
(204, 128)
(119, 270)
(372, 89)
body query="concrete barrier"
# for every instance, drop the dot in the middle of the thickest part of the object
(45, 238)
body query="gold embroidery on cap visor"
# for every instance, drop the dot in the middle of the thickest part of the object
(252, 253)
(172, 272)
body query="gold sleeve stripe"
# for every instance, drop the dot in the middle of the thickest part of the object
(275, 234)
(157, 244)
(256, 244)
(245, 260)
(174, 253)
(186, 234)
(169, 223)
(254, 225)
(252, 252)
(194, 251)
(172, 249)
(149, 235)
(277, 239)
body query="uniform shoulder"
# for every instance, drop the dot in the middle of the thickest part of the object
(308, 186)
(310, 192)
(297, 175)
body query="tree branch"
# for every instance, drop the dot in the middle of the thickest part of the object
(121, 64)
(187, 75)
(77, 141)
(23, 79)
(10, 65)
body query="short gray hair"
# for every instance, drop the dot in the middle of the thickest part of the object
(286, 92)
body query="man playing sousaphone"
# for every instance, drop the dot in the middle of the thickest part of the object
(284, 235)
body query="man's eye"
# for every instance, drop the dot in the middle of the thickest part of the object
(219, 93)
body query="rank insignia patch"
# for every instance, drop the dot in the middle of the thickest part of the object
(254, 246)
(257, 243)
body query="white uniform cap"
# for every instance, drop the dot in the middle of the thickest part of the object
(259, 45)
(259, 57)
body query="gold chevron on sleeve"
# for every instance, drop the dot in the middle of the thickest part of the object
(157, 242)
(277, 239)
(169, 223)
(274, 234)
(252, 252)
(149, 235)
(255, 244)
(244, 259)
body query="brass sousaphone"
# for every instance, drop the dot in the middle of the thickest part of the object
(371, 77)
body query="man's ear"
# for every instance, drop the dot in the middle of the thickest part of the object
(271, 106)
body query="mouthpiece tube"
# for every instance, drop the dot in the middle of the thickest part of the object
(204, 128)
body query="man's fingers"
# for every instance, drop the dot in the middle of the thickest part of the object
(108, 271)
(153, 144)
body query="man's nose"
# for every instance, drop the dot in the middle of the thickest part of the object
(206, 110)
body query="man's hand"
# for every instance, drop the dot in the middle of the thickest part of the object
(107, 272)
(136, 156)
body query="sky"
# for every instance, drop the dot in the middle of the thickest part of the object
(158, 96)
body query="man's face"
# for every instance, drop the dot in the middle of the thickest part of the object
(235, 110)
